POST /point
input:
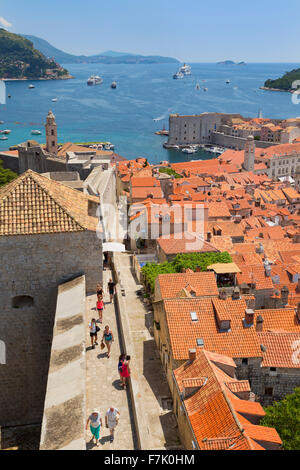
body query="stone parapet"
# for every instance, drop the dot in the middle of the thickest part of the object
(63, 424)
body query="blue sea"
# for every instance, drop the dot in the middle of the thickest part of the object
(125, 116)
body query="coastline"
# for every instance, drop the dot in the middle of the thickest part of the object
(24, 79)
(293, 91)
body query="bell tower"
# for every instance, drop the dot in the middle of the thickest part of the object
(51, 133)
(249, 154)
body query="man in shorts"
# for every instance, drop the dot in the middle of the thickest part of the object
(111, 421)
(111, 289)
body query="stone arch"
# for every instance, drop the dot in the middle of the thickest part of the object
(22, 301)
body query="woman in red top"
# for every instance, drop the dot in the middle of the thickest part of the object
(100, 306)
(125, 371)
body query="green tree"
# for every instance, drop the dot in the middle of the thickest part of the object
(6, 175)
(284, 416)
(181, 261)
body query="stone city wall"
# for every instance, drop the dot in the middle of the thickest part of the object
(31, 269)
(63, 425)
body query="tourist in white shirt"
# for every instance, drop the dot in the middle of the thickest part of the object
(111, 420)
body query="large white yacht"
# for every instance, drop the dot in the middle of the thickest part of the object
(186, 69)
(94, 80)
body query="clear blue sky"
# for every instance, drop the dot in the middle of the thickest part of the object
(191, 30)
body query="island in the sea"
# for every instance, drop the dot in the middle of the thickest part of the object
(230, 62)
(288, 82)
(108, 57)
(19, 60)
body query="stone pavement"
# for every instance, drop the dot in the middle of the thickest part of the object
(159, 422)
(103, 384)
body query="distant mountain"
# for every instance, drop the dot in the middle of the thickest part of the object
(114, 54)
(108, 57)
(230, 62)
(19, 59)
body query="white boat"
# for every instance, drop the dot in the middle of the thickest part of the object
(31, 86)
(113, 85)
(6, 131)
(3, 138)
(205, 89)
(185, 69)
(94, 80)
(36, 132)
(189, 150)
(214, 150)
(178, 75)
(1, 122)
(54, 100)
(108, 146)
(227, 81)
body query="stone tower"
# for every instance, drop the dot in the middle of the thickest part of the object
(51, 133)
(249, 154)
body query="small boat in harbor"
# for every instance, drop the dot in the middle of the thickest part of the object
(1, 122)
(36, 132)
(113, 85)
(178, 75)
(31, 86)
(189, 150)
(3, 138)
(94, 80)
(197, 87)
(54, 100)
(205, 89)
(227, 81)
(108, 146)
(6, 131)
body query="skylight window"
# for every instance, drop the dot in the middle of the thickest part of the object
(194, 316)
(200, 342)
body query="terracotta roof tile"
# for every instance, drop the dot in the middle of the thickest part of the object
(203, 284)
(239, 342)
(33, 204)
(281, 349)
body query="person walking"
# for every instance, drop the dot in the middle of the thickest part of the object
(93, 332)
(121, 360)
(111, 420)
(95, 425)
(111, 289)
(100, 306)
(125, 371)
(99, 290)
(107, 338)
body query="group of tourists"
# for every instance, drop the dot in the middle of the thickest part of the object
(112, 414)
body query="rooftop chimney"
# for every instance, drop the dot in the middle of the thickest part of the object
(285, 296)
(236, 294)
(259, 323)
(223, 294)
(192, 355)
(249, 317)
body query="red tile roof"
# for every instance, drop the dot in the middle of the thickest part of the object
(211, 408)
(203, 283)
(282, 349)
